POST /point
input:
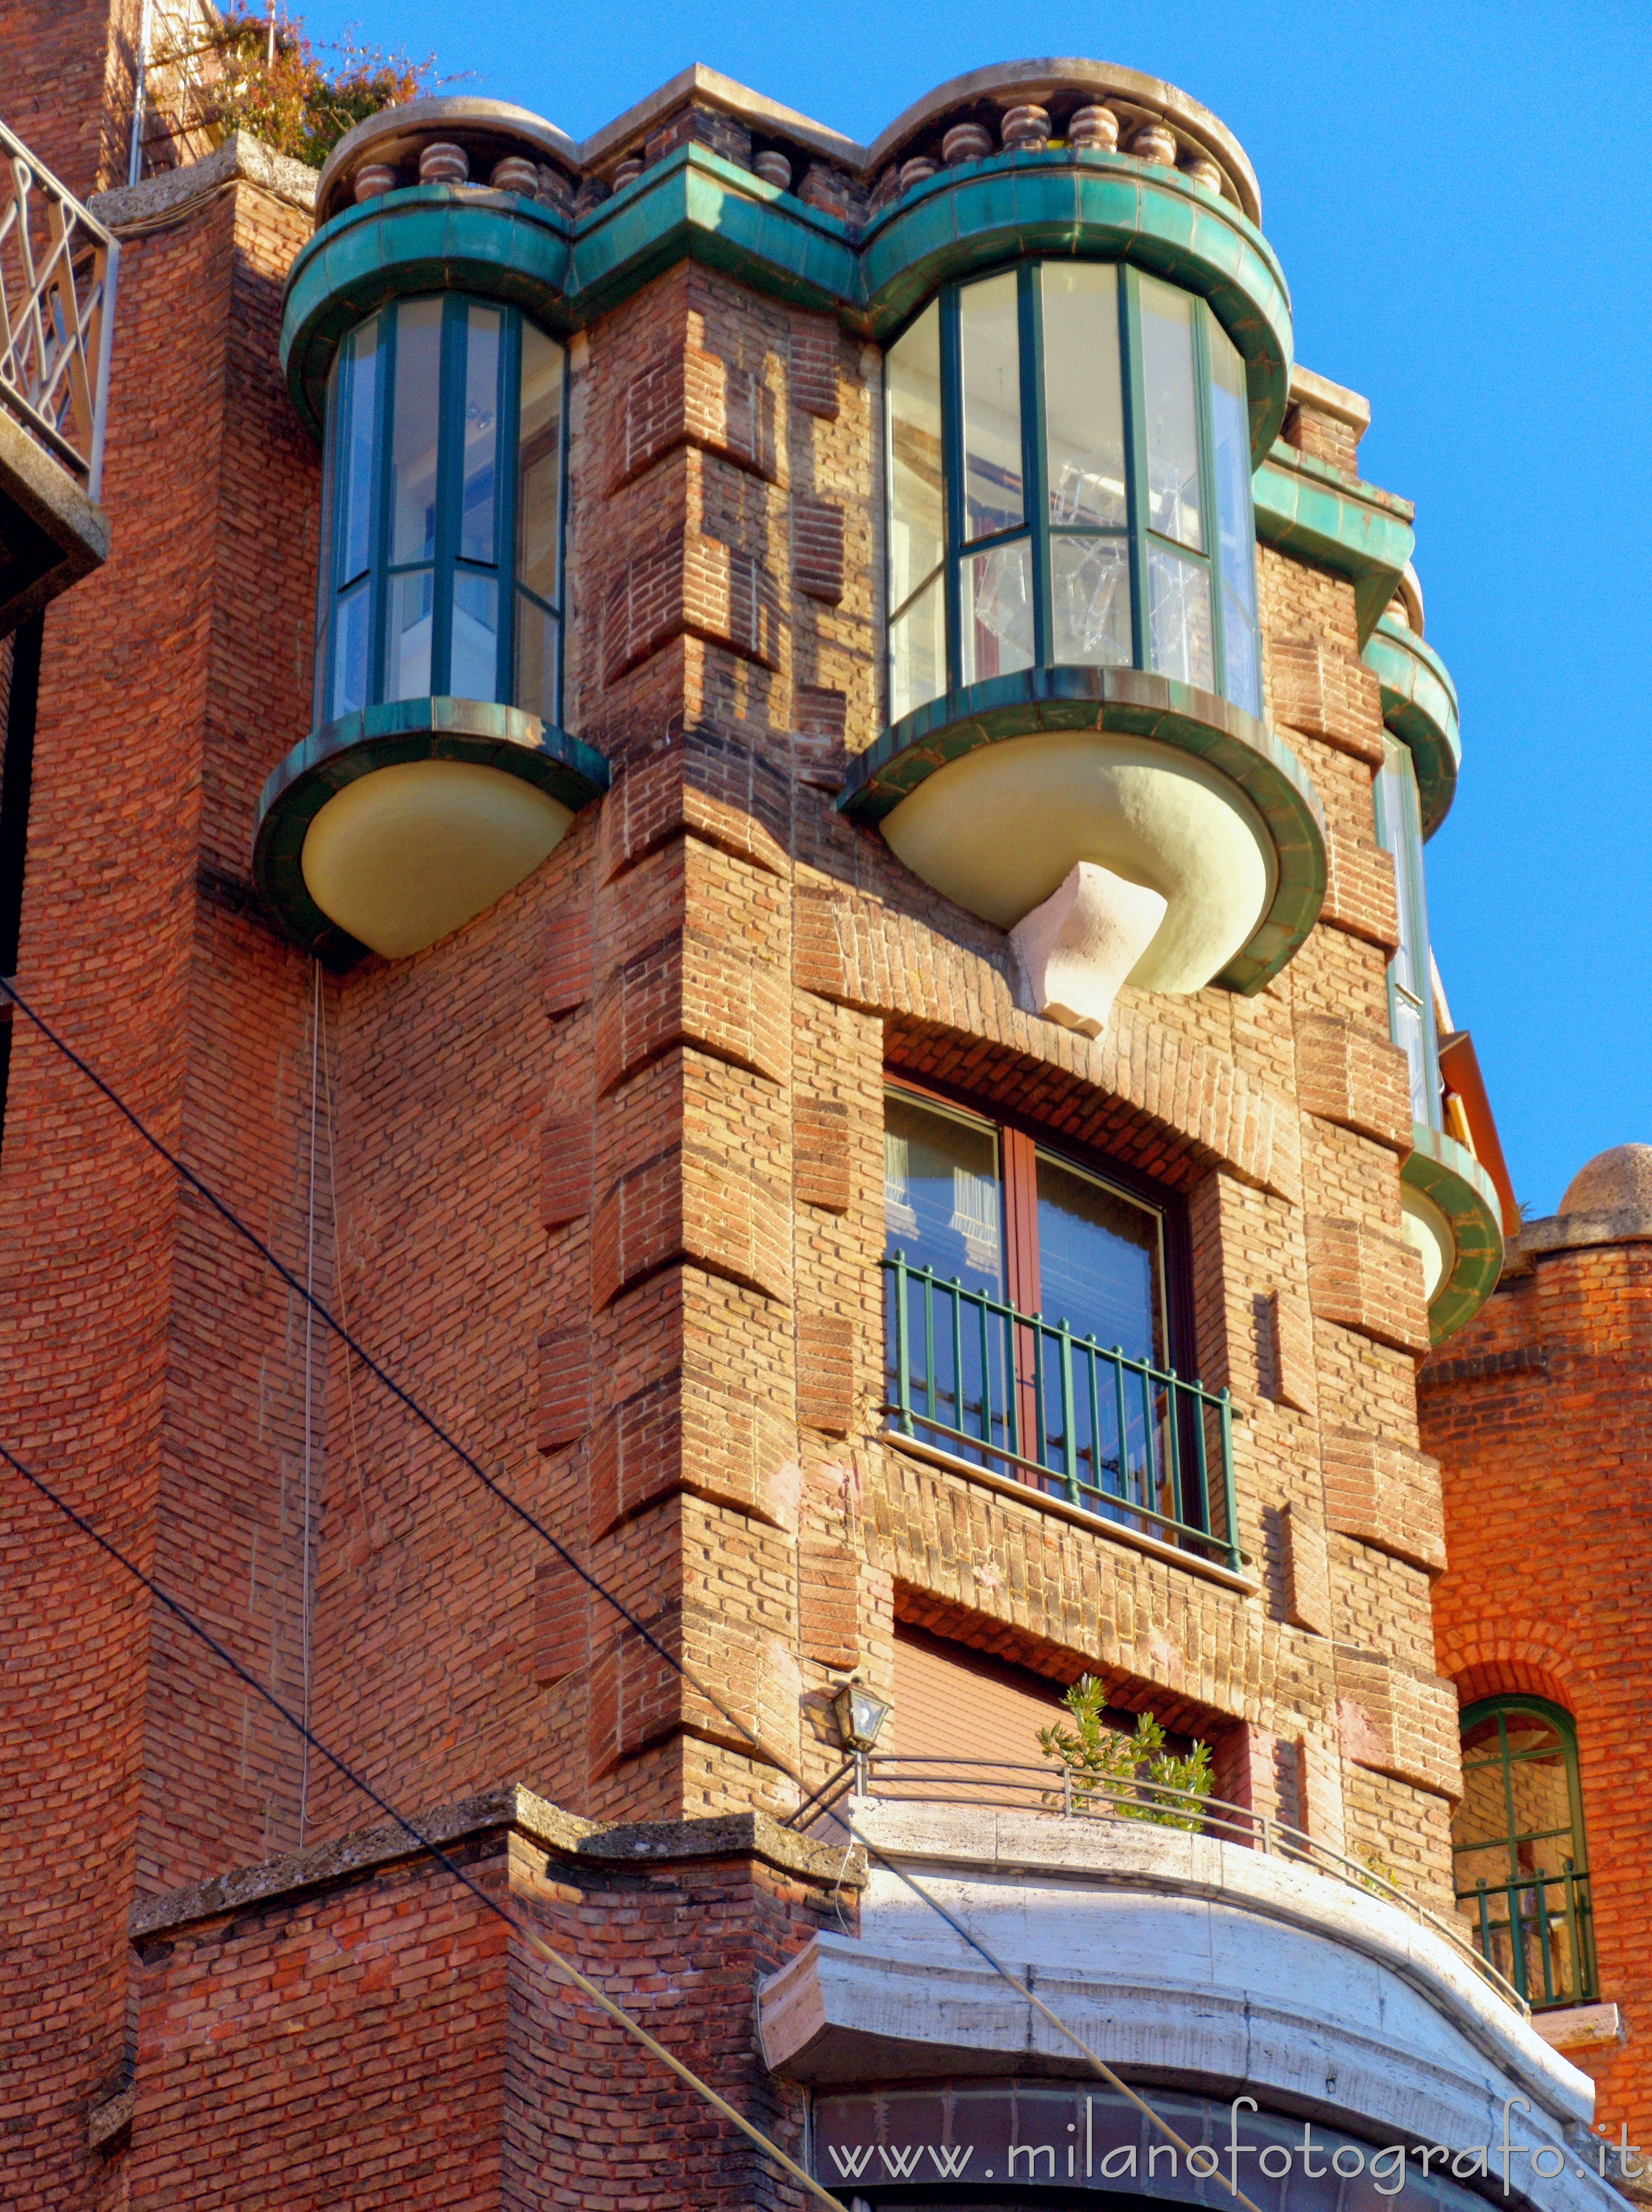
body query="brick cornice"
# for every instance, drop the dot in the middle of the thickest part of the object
(858, 953)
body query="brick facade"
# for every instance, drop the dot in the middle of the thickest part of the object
(600, 1177)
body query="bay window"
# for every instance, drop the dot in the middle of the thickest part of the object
(1069, 484)
(1411, 995)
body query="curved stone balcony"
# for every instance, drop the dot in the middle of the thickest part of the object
(1420, 700)
(1452, 1214)
(1181, 1958)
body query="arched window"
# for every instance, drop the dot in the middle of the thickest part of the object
(441, 534)
(1069, 485)
(1520, 1859)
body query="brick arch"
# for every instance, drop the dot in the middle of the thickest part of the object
(1518, 1661)
(942, 999)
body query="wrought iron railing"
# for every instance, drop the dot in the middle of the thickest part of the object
(1538, 1930)
(874, 1778)
(1138, 1445)
(57, 267)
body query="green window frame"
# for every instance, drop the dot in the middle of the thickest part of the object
(444, 468)
(1411, 977)
(1104, 411)
(1521, 1867)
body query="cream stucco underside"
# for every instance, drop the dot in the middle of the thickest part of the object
(1427, 1228)
(406, 854)
(997, 829)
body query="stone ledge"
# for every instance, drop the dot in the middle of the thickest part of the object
(1573, 1233)
(241, 157)
(110, 2120)
(506, 1807)
(1579, 2028)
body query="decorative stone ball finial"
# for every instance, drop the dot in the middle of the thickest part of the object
(1203, 171)
(1026, 127)
(774, 169)
(1154, 142)
(966, 142)
(441, 162)
(373, 178)
(915, 172)
(1096, 127)
(1615, 1182)
(513, 174)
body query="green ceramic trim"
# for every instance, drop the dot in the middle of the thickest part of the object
(1110, 207)
(474, 730)
(1448, 1172)
(1307, 508)
(1420, 705)
(432, 238)
(1136, 705)
(695, 205)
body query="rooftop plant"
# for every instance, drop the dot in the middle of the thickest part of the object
(1129, 1777)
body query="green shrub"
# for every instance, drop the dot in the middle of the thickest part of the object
(1122, 1775)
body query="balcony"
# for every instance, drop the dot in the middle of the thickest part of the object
(1145, 1449)
(1538, 1932)
(57, 268)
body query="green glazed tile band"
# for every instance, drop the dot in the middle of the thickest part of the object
(1448, 1172)
(1135, 704)
(1420, 705)
(473, 730)
(695, 205)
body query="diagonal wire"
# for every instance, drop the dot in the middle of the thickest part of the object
(742, 1727)
(562, 1966)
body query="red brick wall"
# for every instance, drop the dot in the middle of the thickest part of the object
(1540, 1412)
(67, 89)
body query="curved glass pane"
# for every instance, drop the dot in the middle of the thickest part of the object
(1235, 530)
(917, 470)
(1084, 406)
(480, 448)
(536, 658)
(1167, 369)
(1090, 588)
(353, 460)
(1179, 605)
(475, 671)
(989, 330)
(407, 636)
(918, 653)
(350, 653)
(539, 467)
(997, 615)
(414, 433)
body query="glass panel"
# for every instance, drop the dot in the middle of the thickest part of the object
(990, 332)
(481, 446)
(1522, 1878)
(539, 466)
(1167, 366)
(1179, 601)
(918, 653)
(1084, 410)
(917, 473)
(998, 614)
(1091, 585)
(536, 659)
(353, 459)
(1230, 431)
(475, 673)
(1098, 1261)
(1244, 675)
(413, 441)
(942, 1201)
(407, 637)
(1411, 1036)
(349, 667)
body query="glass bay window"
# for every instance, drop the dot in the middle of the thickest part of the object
(1069, 485)
(442, 511)
(1411, 996)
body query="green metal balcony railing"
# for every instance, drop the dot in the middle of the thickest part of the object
(1538, 1930)
(1138, 1445)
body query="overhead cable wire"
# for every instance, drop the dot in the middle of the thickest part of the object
(781, 1765)
(562, 1966)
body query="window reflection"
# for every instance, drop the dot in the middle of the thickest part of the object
(1167, 369)
(989, 328)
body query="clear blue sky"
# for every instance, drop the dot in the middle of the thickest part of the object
(1461, 196)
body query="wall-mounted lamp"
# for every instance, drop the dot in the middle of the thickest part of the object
(859, 1716)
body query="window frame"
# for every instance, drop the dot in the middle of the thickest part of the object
(1020, 1142)
(1545, 1709)
(1398, 808)
(447, 564)
(1137, 534)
